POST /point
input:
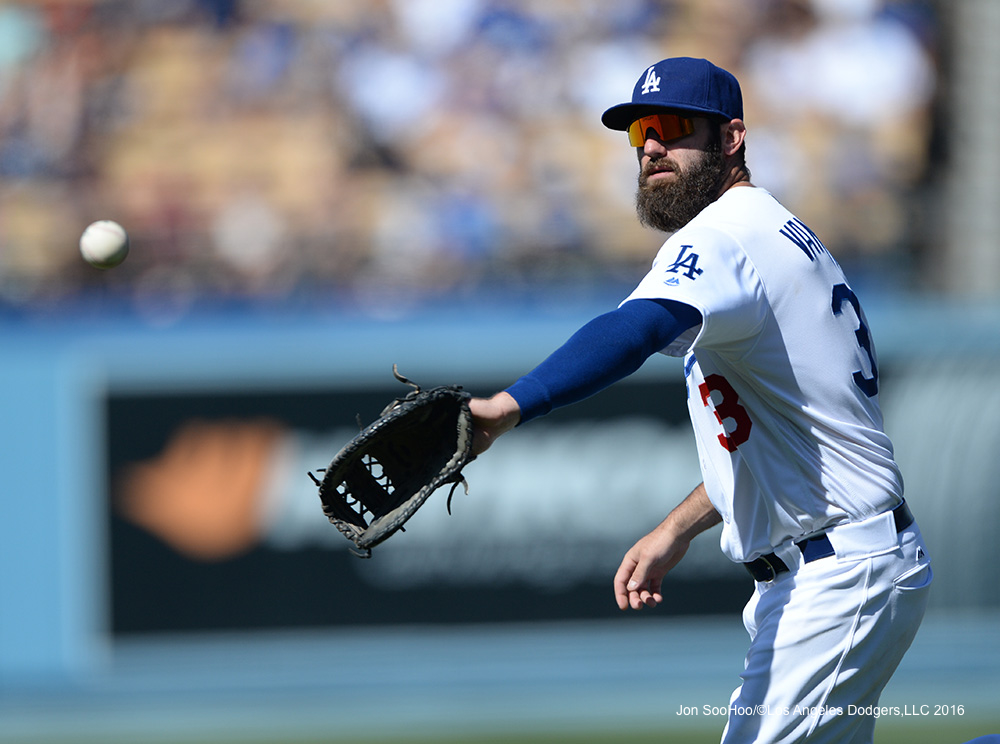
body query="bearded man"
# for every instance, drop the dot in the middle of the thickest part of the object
(782, 381)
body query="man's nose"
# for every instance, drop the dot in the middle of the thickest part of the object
(653, 146)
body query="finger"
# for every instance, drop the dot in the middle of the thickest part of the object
(622, 595)
(653, 585)
(622, 600)
(643, 592)
(644, 598)
(637, 592)
(623, 579)
(639, 580)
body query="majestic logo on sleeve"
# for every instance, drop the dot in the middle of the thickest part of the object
(686, 264)
(652, 82)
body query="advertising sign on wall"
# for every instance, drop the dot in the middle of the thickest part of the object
(215, 524)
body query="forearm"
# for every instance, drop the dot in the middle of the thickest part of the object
(607, 349)
(694, 515)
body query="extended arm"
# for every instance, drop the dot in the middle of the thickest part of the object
(606, 350)
(637, 583)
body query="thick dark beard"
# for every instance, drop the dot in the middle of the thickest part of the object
(670, 206)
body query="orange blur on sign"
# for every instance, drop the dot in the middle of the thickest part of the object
(201, 494)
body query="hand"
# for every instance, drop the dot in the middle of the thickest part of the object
(491, 418)
(639, 578)
(637, 583)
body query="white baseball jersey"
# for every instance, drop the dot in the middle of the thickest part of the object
(782, 376)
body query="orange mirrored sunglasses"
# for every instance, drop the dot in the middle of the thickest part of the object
(666, 127)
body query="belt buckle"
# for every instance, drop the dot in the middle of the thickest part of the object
(770, 568)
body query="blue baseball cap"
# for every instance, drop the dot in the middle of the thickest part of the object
(681, 85)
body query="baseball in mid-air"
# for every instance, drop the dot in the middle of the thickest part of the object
(104, 244)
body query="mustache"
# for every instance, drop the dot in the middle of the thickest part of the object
(660, 165)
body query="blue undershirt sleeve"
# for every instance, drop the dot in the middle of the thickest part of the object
(607, 349)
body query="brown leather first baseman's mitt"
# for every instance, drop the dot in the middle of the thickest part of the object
(380, 478)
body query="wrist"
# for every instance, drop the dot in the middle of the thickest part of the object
(674, 529)
(492, 417)
(508, 411)
(530, 396)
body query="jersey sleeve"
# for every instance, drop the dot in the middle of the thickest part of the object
(607, 349)
(707, 269)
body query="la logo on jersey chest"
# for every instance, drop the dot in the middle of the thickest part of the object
(686, 264)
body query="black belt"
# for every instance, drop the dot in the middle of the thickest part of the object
(767, 567)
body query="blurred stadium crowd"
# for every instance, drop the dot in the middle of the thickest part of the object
(382, 153)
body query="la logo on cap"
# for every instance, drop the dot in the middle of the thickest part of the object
(652, 82)
(681, 85)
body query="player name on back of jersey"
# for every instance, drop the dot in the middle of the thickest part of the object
(799, 233)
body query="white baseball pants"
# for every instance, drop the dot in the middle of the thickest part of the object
(827, 636)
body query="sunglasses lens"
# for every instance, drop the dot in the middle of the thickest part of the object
(666, 127)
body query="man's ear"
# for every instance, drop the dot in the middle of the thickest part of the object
(733, 134)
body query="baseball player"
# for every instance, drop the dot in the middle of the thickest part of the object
(782, 381)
